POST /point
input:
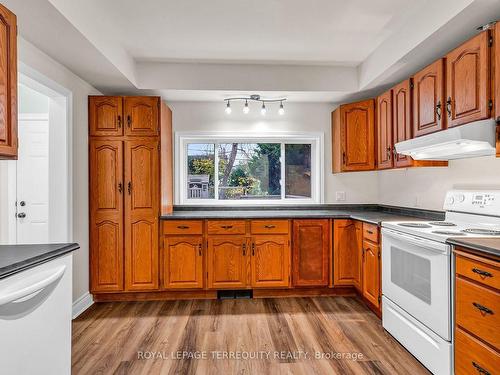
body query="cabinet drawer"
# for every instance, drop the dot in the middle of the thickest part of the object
(471, 356)
(226, 227)
(481, 272)
(477, 311)
(370, 232)
(269, 226)
(183, 227)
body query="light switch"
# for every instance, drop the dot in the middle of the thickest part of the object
(340, 196)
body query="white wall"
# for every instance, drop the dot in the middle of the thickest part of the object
(426, 187)
(300, 117)
(31, 62)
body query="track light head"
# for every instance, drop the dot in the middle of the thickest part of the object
(263, 110)
(246, 109)
(228, 107)
(281, 111)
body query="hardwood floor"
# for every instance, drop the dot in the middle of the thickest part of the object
(141, 338)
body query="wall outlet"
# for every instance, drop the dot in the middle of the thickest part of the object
(340, 196)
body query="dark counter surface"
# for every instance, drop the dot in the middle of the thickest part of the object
(17, 258)
(371, 214)
(485, 245)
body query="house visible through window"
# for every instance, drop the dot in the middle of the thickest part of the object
(249, 171)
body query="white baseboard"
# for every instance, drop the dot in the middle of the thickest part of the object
(82, 304)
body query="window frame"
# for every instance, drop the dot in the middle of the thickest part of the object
(182, 139)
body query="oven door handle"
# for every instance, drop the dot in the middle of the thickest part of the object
(435, 246)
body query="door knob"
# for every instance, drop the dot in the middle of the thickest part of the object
(21, 215)
(22, 203)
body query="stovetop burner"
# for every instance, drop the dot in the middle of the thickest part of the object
(485, 232)
(449, 232)
(415, 225)
(443, 224)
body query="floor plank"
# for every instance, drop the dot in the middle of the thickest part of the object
(320, 335)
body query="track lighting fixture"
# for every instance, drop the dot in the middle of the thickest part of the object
(255, 98)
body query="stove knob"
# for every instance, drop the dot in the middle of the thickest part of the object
(450, 200)
(461, 198)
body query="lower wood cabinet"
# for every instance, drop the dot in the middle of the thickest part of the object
(270, 261)
(183, 262)
(371, 273)
(311, 253)
(347, 241)
(227, 258)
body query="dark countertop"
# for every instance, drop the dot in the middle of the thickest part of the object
(17, 258)
(373, 216)
(485, 245)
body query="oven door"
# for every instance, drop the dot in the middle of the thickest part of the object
(416, 277)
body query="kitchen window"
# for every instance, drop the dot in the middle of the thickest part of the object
(246, 170)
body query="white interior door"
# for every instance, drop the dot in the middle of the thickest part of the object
(33, 179)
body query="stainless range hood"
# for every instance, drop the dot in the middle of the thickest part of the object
(465, 141)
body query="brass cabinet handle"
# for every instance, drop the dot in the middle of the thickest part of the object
(129, 187)
(120, 187)
(480, 369)
(253, 249)
(481, 272)
(448, 106)
(269, 226)
(369, 232)
(244, 249)
(226, 226)
(343, 158)
(129, 121)
(119, 121)
(199, 249)
(388, 153)
(482, 308)
(438, 110)
(182, 227)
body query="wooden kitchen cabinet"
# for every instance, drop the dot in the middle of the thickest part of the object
(183, 262)
(270, 261)
(468, 81)
(106, 215)
(105, 115)
(347, 247)
(371, 273)
(496, 80)
(227, 262)
(357, 136)
(141, 115)
(8, 84)
(310, 253)
(141, 214)
(429, 112)
(401, 120)
(384, 131)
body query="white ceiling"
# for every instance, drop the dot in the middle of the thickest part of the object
(316, 50)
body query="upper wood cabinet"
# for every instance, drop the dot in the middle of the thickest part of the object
(129, 115)
(401, 120)
(357, 136)
(496, 81)
(347, 247)
(8, 84)
(105, 115)
(311, 255)
(106, 215)
(384, 131)
(183, 262)
(227, 258)
(429, 112)
(270, 261)
(468, 81)
(141, 115)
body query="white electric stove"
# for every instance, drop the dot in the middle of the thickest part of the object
(417, 274)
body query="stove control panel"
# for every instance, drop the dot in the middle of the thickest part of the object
(470, 201)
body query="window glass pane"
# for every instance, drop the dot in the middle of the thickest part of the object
(201, 171)
(298, 171)
(249, 170)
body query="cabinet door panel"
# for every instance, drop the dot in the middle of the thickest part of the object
(384, 130)
(467, 81)
(402, 120)
(141, 214)
(105, 115)
(347, 247)
(270, 261)
(429, 112)
(106, 215)
(183, 262)
(311, 244)
(358, 136)
(227, 259)
(8, 84)
(371, 273)
(141, 114)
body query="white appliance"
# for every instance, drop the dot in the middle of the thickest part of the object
(35, 319)
(470, 140)
(417, 274)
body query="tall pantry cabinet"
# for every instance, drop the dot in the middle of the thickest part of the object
(124, 175)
